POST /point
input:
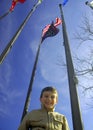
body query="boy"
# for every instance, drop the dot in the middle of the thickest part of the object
(45, 118)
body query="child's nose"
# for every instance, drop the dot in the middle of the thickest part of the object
(49, 98)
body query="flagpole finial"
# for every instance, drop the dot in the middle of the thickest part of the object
(40, 1)
(86, 2)
(60, 4)
(90, 4)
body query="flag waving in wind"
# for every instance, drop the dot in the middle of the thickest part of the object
(51, 30)
(14, 2)
(58, 22)
(64, 2)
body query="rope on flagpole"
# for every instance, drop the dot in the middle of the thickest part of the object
(14, 38)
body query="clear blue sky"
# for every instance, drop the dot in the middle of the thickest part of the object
(15, 71)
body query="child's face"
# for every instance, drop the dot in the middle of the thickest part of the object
(49, 99)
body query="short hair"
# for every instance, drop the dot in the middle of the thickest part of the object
(49, 88)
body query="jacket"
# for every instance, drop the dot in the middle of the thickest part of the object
(42, 120)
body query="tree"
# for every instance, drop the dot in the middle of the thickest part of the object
(85, 32)
(84, 65)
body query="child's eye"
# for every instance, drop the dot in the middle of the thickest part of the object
(52, 97)
(46, 96)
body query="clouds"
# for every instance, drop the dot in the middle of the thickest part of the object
(8, 93)
(51, 72)
(4, 82)
(48, 59)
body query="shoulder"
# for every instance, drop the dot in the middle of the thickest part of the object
(35, 112)
(59, 117)
(58, 114)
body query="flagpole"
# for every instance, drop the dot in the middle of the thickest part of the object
(14, 38)
(52, 31)
(76, 115)
(27, 101)
(5, 14)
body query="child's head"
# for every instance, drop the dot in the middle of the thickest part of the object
(49, 97)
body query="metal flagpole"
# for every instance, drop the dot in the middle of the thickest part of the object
(10, 44)
(27, 101)
(4, 15)
(76, 115)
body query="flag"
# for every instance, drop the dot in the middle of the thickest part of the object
(14, 2)
(64, 2)
(58, 22)
(21, 1)
(49, 31)
(45, 29)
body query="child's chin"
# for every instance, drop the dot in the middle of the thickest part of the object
(49, 108)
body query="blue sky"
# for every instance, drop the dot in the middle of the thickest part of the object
(15, 71)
